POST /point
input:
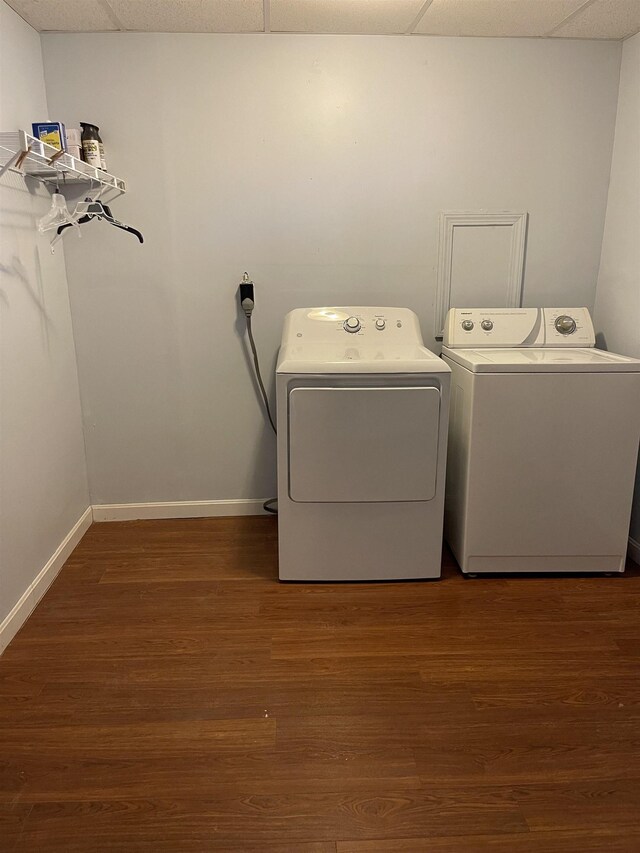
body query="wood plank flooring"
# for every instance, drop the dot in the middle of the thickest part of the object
(168, 694)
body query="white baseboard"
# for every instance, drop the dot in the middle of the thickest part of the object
(177, 509)
(634, 550)
(19, 614)
(113, 512)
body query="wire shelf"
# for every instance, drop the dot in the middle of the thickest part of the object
(22, 153)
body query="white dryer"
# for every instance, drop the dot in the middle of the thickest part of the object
(362, 435)
(543, 442)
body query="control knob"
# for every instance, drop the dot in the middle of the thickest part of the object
(467, 325)
(351, 324)
(565, 324)
(380, 323)
(487, 325)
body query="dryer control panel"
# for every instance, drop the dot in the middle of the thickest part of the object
(518, 327)
(364, 324)
(354, 339)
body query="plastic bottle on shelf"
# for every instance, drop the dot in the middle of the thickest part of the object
(92, 147)
(74, 142)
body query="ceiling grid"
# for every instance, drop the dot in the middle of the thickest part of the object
(581, 19)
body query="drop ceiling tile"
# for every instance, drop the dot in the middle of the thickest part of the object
(66, 15)
(190, 16)
(374, 17)
(604, 19)
(499, 18)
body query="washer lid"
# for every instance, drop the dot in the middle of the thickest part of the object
(353, 357)
(542, 360)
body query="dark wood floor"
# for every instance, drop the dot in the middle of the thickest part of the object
(169, 695)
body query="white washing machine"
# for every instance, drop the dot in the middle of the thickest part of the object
(362, 436)
(543, 442)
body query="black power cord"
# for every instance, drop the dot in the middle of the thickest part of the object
(247, 301)
(271, 506)
(256, 365)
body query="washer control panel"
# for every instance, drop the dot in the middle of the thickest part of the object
(518, 327)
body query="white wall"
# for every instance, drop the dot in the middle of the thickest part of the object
(617, 314)
(43, 484)
(319, 164)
